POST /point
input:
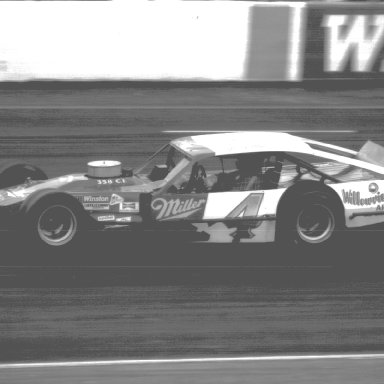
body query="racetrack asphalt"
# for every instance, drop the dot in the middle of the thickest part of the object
(115, 300)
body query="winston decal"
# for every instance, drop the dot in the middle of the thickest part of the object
(95, 199)
(169, 209)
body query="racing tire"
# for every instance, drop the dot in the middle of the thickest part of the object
(18, 173)
(313, 220)
(52, 220)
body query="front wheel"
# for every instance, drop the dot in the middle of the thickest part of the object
(53, 221)
(57, 225)
(312, 220)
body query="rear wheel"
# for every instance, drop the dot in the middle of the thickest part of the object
(315, 223)
(312, 219)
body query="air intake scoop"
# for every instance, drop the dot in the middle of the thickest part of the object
(104, 168)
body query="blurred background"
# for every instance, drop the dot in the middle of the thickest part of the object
(86, 80)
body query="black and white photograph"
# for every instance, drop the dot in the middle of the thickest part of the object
(191, 192)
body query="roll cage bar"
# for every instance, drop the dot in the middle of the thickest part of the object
(310, 167)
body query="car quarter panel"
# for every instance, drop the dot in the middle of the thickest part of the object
(363, 202)
(251, 204)
(243, 216)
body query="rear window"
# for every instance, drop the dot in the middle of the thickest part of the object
(341, 171)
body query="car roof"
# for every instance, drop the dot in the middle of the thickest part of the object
(221, 144)
(241, 142)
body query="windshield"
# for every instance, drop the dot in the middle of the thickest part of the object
(161, 164)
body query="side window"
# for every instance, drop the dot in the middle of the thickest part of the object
(242, 172)
(200, 178)
(256, 171)
(290, 173)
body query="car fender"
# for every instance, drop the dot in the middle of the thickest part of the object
(306, 187)
(363, 202)
(33, 198)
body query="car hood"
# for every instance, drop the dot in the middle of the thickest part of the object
(71, 184)
(20, 192)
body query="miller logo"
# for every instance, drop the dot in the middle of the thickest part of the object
(176, 208)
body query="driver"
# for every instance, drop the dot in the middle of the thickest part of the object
(248, 176)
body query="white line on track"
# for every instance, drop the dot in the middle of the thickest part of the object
(193, 360)
(269, 130)
(193, 107)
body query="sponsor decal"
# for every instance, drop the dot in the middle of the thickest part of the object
(355, 198)
(111, 181)
(95, 199)
(168, 209)
(125, 219)
(97, 203)
(373, 188)
(129, 206)
(96, 206)
(116, 199)
(106, 218)
(344, 42)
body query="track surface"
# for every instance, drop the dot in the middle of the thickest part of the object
(92, 310)
(354, 371)
(62, 129)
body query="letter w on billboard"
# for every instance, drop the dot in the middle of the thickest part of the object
(344, 41)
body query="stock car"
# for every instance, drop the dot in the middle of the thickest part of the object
(240, 187)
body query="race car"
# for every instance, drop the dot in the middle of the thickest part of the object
(239, 187)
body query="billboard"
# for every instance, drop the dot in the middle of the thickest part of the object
(122, 40)
(344, 41)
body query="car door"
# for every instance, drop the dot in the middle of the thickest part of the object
(221, 203)
(243, 209)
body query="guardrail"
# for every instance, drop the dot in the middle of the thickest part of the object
(187, 41)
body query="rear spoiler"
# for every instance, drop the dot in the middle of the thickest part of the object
(371, 153)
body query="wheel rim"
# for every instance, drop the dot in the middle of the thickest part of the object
(315, 224)
(57, 225)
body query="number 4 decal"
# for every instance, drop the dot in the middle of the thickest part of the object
(249, 207)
